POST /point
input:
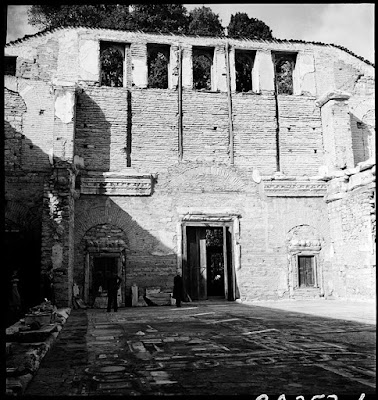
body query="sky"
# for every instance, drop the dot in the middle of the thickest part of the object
(344, 24)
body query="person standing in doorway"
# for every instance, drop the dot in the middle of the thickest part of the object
(178, 289)
(15, 302)
(49, 285)
(114, 283)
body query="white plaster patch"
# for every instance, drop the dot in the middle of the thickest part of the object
(139, 72)
(306, 73)
(64, 106)
(264, 64)
(57, 255)
(89, 60)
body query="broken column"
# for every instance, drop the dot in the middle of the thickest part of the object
(337, 137)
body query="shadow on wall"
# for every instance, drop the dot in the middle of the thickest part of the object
(363, 134)
(103, 123)
(23, 202)
(105, 230)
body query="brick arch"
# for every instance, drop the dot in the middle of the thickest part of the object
(105, 214)
(303, 217)
(22, 216)
(309, 231)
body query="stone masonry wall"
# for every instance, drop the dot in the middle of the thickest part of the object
(150, 225)
(35, 126)
(351, 212)
(14, 110)
(133, 126)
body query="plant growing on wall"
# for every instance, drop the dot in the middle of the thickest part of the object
(284, 67)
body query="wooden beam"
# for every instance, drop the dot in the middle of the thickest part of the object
(180, 134)
(229, 100)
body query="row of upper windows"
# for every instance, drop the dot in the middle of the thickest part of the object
(112, 59)
(113, 71)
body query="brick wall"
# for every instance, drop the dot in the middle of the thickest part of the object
(101, 128)
(301, 142)
(105, 117)
(255, 122)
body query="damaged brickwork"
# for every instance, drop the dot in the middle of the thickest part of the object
(125, 171)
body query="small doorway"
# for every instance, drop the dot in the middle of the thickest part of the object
(208, 270)
(306, 271)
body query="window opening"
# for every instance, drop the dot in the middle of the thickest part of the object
(202, 66)
(10, 65)
(243, 68)
(158, 65)
(284, 65)
(112, 64)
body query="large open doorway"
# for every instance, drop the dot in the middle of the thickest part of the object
(208, 269)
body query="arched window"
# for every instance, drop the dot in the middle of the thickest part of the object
(111, 59)
(243, 69)
(158, 62)
(202, 66)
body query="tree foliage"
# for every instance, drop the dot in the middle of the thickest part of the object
(99, 15)
(243, 26)
(111, 67)
(204, 22)
(157, 62)
(148, 18)
(243, 70)
(159, 18)
(201, 71)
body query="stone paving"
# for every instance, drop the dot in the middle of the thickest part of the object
(208, 348)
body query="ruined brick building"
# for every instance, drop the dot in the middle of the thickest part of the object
(254, 176)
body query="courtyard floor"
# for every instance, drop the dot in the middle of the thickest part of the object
(215, 348)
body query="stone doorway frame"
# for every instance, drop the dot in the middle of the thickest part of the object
(294, 270)
(210, 219)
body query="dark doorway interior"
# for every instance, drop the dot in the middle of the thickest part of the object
(22, 256)
(306, 271)
(208, 270)
(103, 268)
(215, 262)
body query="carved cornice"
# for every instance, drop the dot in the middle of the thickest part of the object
(294, 188)
(117, 184)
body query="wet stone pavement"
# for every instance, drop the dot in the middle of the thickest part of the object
(208, 348)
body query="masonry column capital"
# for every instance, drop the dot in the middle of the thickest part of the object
(332, 95)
